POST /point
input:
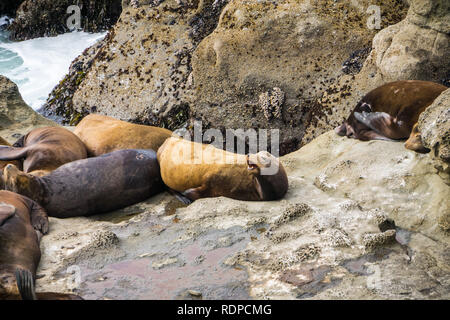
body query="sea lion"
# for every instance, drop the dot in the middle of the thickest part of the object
(22, 224)
(3, 164)
(45, 149)
(91, 186)
(414, 141)
(390, 111)
(103, 134)
(212, 172)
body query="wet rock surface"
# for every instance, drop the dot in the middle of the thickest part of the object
(360, 221)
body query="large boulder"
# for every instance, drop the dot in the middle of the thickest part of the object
(16, 117)
(9, 7)
(361, 220)
(162, 64)
(140, 71)
(267, 63)
(39, 18)
(434, 126)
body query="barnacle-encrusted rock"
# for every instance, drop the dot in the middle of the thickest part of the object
(271, 102)
(374, 240)
(141, 71)
(298, 46)
(103, 239)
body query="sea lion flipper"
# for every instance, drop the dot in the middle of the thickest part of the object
(374, 120)
(179, 196)
(25, 284)
(12, 153)
(39, 218)
(195, 193)
(383, 124)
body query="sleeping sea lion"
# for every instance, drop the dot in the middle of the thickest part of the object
(212, 172)
(103, 134)
(45, 149)
(3, 164)
(22, 224)
(389, 112)
(414, 141)
(91, 186)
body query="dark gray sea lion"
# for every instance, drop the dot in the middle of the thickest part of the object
(22, 223)
(91, 186)
(45, 149)
(103, 134)
(389, 112)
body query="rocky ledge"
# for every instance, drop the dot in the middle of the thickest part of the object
(361, 220)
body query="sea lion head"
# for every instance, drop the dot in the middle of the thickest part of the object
(351, 127)
(269, 177)
(414, 141)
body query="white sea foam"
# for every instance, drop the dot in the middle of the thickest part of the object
(38, 65)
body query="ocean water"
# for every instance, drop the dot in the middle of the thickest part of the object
(38, 65)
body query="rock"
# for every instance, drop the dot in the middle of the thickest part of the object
(16, 117)
(104, 239)
(296, 46)
(415, 48)
(9, 7)
(196, 74)
(434, 126)
(142, 66)
(321, 243)
(39, 18)
(374, 240)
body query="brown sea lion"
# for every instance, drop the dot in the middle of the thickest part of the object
(45, 149)
(22, 224)
(212, 172)
(103, 134)
(414, 141)
(3, 164)
(390, 111)
(91, 186)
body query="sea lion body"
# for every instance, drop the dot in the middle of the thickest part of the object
(45, 149)
(389, 112)
(218, 172)
(103, 134)
(19, 243)
(91, 186)
(22, 224)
